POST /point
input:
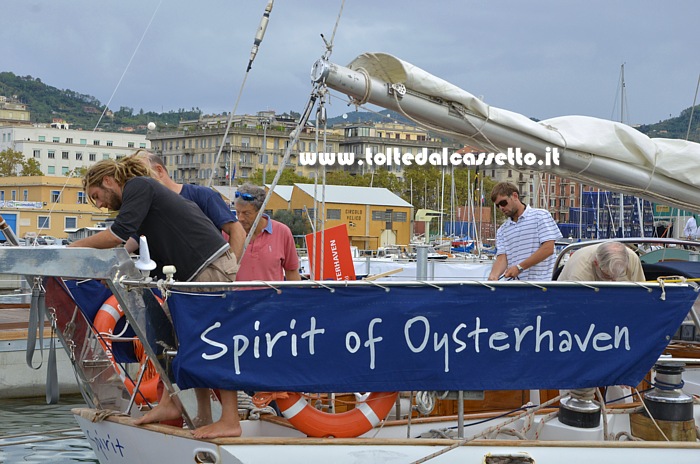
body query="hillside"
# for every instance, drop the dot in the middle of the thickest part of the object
(81, 111)
(675, 128)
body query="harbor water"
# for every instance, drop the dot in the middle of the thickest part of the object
(32, 431)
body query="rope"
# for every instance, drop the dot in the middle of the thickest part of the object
(650, 416)
(486, 432)
(246, 402)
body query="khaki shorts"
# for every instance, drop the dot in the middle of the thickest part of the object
(223, 269)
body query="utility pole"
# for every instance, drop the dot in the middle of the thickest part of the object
(265, 122)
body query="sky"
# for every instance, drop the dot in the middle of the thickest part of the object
(540, 58)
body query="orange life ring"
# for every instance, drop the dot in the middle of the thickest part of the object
(350, 424)
(105, 321)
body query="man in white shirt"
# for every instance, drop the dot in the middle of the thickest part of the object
(525, 242)
(691, 229)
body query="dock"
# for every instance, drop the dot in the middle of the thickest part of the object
(17, 380)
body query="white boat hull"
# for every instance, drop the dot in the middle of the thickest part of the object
(115, 440)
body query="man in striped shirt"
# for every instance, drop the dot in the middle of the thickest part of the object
(525, 242)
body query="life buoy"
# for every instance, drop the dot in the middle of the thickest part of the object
(350, 424)
(105, 321)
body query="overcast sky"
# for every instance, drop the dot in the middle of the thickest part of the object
(539, 58)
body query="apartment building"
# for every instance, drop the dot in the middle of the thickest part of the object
(259, 141)
(59, 150)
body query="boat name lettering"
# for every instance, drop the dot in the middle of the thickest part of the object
(105, 445)
(336, 261)
(419, 337)
(241, 342)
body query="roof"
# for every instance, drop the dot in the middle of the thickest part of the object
(355, 195)
(284, 191)
(225, 191)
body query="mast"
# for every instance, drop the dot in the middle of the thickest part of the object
(622, 112)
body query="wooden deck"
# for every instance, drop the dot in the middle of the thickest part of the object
(14, 320)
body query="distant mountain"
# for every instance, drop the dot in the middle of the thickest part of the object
(675, 128)
(82, 111)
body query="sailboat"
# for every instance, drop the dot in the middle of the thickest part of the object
(447, 340)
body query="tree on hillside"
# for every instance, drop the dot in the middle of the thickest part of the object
(299, 225)
(12, 164)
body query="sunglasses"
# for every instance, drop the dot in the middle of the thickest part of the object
(245, 196)
(502, 203)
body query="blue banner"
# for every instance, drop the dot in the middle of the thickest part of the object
(422, 338)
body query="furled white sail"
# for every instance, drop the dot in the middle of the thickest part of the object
(597, 152)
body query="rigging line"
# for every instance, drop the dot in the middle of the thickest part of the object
(692, 110)
(294, 138)
(259, 35)
(138, 45)
(106, 107)
(329, 44)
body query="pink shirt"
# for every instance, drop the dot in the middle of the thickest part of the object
(269, 254)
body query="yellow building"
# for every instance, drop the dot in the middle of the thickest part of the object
(46, 205)
(375, 216)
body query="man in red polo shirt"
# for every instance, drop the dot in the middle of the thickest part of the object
(271, 253)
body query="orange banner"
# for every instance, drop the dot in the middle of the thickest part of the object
(337, 257)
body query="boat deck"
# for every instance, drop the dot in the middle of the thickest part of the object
(14, 321)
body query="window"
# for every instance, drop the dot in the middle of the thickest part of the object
(92, 156)
(55, 196)
(65, 170)
(70, 222)
(13, 195)
(400, 216)
(78, 156)
(245, 142)
(110, 143)
(37, 153)
(83, 141)
(43, 222)
(96, 142)
(105, 156)
(69, 140)
(64, 155)
(2, 195)
(42, 138)
(51, 170)
(130, 144)
(82, 198)
(380, 216)
(25, 195)
(142, 145)
(55, 140)
(275, 159)
(52, 154)
(298, 212)
(333, 214)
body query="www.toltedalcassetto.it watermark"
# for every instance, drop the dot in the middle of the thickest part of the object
(514, 157)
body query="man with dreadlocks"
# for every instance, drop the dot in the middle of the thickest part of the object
(179, 234)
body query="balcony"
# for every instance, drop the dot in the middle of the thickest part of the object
(182, 166)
